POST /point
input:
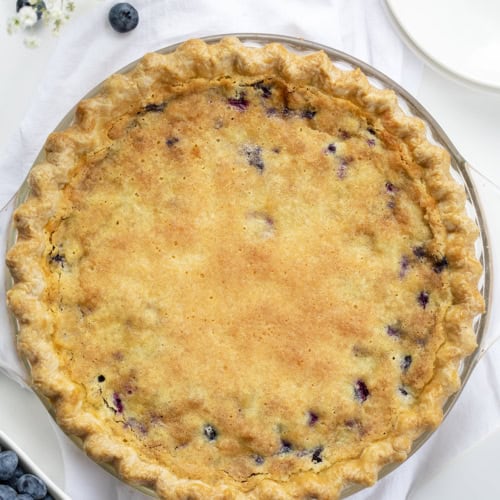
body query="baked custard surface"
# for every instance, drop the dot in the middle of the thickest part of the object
(244, 273)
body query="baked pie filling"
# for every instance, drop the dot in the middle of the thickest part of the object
(244, 273)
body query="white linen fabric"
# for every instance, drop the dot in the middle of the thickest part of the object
(89, 50)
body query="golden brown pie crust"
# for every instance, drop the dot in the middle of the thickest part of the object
(243, 272)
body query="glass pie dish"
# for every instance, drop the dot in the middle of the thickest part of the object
(459, 168)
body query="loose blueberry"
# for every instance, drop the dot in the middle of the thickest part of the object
(117, 402)
(361, 392)
(123, 17)
(254, 157)
(312, 418)
(171, 141)
(406, 362)
(210, 432)
(17, 474)
(32, 485)
(154, 108)
(25, 496)
(316, 455)
(286, 446)
(101, 378)
(439, 265)
(419, 252)
(8, 464)
(423, 299)
(241, 103)
(39, 6)
(7, 493)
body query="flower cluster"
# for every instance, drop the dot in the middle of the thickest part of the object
(53, 13)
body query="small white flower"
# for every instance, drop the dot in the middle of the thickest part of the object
(31, 42)
(27, 17)
(13, 25)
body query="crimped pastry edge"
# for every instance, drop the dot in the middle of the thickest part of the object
(145, 83)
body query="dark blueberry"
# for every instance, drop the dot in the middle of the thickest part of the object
(48, 496)
(101, 378)
(406, 362)
(423, 299)
(419, 252)
(58, 259)
(439, 265)
(308, 114)
(8, 464)
(25, 496)
(276, 150)
(316, 455)
(271, 111)
(331, 148)
(117, 402)
(312, 418)
(371, 142)
(240, 102)
(286, 446)
(32, 485)
(287, 112)
(371, 131)
(403, 266)
(210, 432)
(38, 6)
(171, 141)
(17, 474)
(7, 493)
(123, 17)
(393, 330)
(154, 108)
(265, 89)
(258, 459)
(361, 392)
(389, 187)
(344, 134)
(254, 157)
(403, 391)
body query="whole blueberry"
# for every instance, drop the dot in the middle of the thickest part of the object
(123, 17)
(24, 496)
(32, 485)
(15, 476)
(39, 6)
(8, 464)
(7, 493)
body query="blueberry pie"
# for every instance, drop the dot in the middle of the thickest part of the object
(244, 273)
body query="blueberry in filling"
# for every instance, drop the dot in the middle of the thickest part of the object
(154, 108)
(371, 130)
(308, 114)
(241, 102)
(406, 362)
(254, 157)
(118, 403)
(404, 265)
(403, 391)
(423, 299)
(258, 459)
(331, 148)
(210, 432)
(286, 446)
(265, 89)
(361, 392)
(312, 418)
(171, 141)
(316, 455)
(101, 378)
(439, 265)
(419, 252)
(393, 330)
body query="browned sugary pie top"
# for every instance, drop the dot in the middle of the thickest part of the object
(243, 272)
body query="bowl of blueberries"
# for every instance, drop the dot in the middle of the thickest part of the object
(20, 478)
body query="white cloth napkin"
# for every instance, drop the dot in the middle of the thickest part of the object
(89, 50)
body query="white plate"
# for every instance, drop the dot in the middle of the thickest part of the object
(459, 37)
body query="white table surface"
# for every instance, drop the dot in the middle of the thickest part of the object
(471, 118)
